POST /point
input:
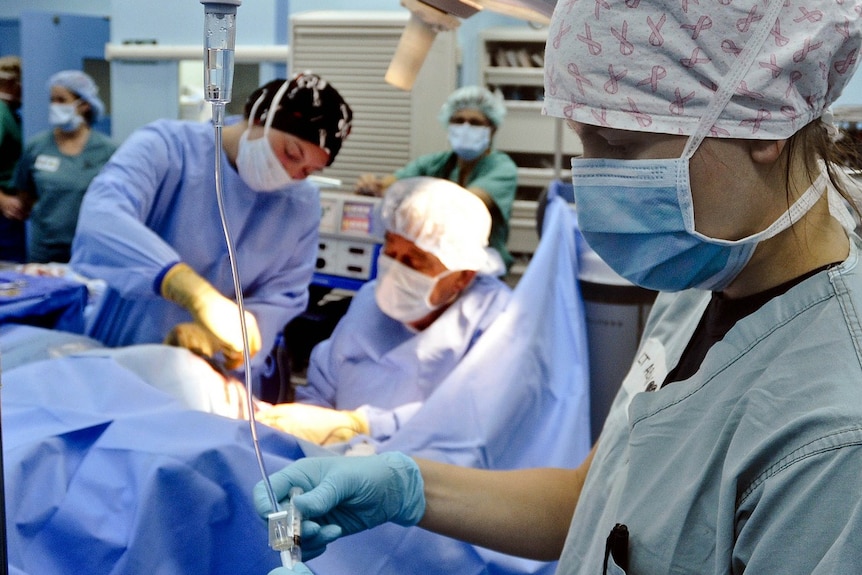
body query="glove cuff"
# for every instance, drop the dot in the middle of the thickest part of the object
(360, 421)
(182, 285)
(409, 487)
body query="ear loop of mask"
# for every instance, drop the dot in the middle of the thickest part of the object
(270, 113)
(254, 107)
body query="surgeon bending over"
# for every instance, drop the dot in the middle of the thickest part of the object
(434, 296)
(735, 442)
(150, 224)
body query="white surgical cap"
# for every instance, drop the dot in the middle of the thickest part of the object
(654, 65)
(82, 85)
(443, 219)
(475, 97)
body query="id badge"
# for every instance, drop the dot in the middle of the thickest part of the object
(648, 370)
(46, 163)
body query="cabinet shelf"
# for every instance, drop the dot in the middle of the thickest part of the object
(511, 65)
(497, 75)
(540, 177)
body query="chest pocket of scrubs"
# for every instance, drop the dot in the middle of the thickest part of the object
(617, 551)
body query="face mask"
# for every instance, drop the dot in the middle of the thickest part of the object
(65, 117)
(403, 293)
(638, 217)
(469, 142)
(258, 165)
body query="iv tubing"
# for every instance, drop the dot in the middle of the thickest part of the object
(218, 116)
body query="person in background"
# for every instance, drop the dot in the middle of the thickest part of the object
(58, 165)
(472, 115)
(151, 228)
(13, 238)
(708, 173)
(434, 296)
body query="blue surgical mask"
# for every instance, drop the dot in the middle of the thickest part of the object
(469, 142)
(638, 217)
(65, 116)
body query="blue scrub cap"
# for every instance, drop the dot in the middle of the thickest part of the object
(81, 85)
(474, 97)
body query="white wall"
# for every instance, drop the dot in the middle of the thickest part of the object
(852, 94)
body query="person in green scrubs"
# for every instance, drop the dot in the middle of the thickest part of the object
(471, 115)
(12, 234)
(57, 166)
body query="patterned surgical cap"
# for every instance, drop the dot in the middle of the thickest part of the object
(654, 65)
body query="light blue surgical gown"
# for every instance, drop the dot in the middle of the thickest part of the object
(754, 463)
(154, 204)
(375, 362)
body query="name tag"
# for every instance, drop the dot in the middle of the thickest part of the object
(45, 163)
(649, 368)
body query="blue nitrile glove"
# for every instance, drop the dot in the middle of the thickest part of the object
(298, 569)
(346, 495)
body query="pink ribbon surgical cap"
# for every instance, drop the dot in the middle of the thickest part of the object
(654, 65)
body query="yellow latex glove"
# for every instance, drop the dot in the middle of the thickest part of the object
(319, 425)
(214, 312)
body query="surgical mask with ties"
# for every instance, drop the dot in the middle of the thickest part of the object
(403, 293)
(258, 166)
(65, 116)
(638, 215)
(469, 142)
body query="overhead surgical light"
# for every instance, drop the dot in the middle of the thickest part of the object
(429, 17)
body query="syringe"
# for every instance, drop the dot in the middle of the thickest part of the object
(285, 531)
(219, 45)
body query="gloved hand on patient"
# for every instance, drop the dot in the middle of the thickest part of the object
(344, 495)
(216, 318)
(319, 425)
